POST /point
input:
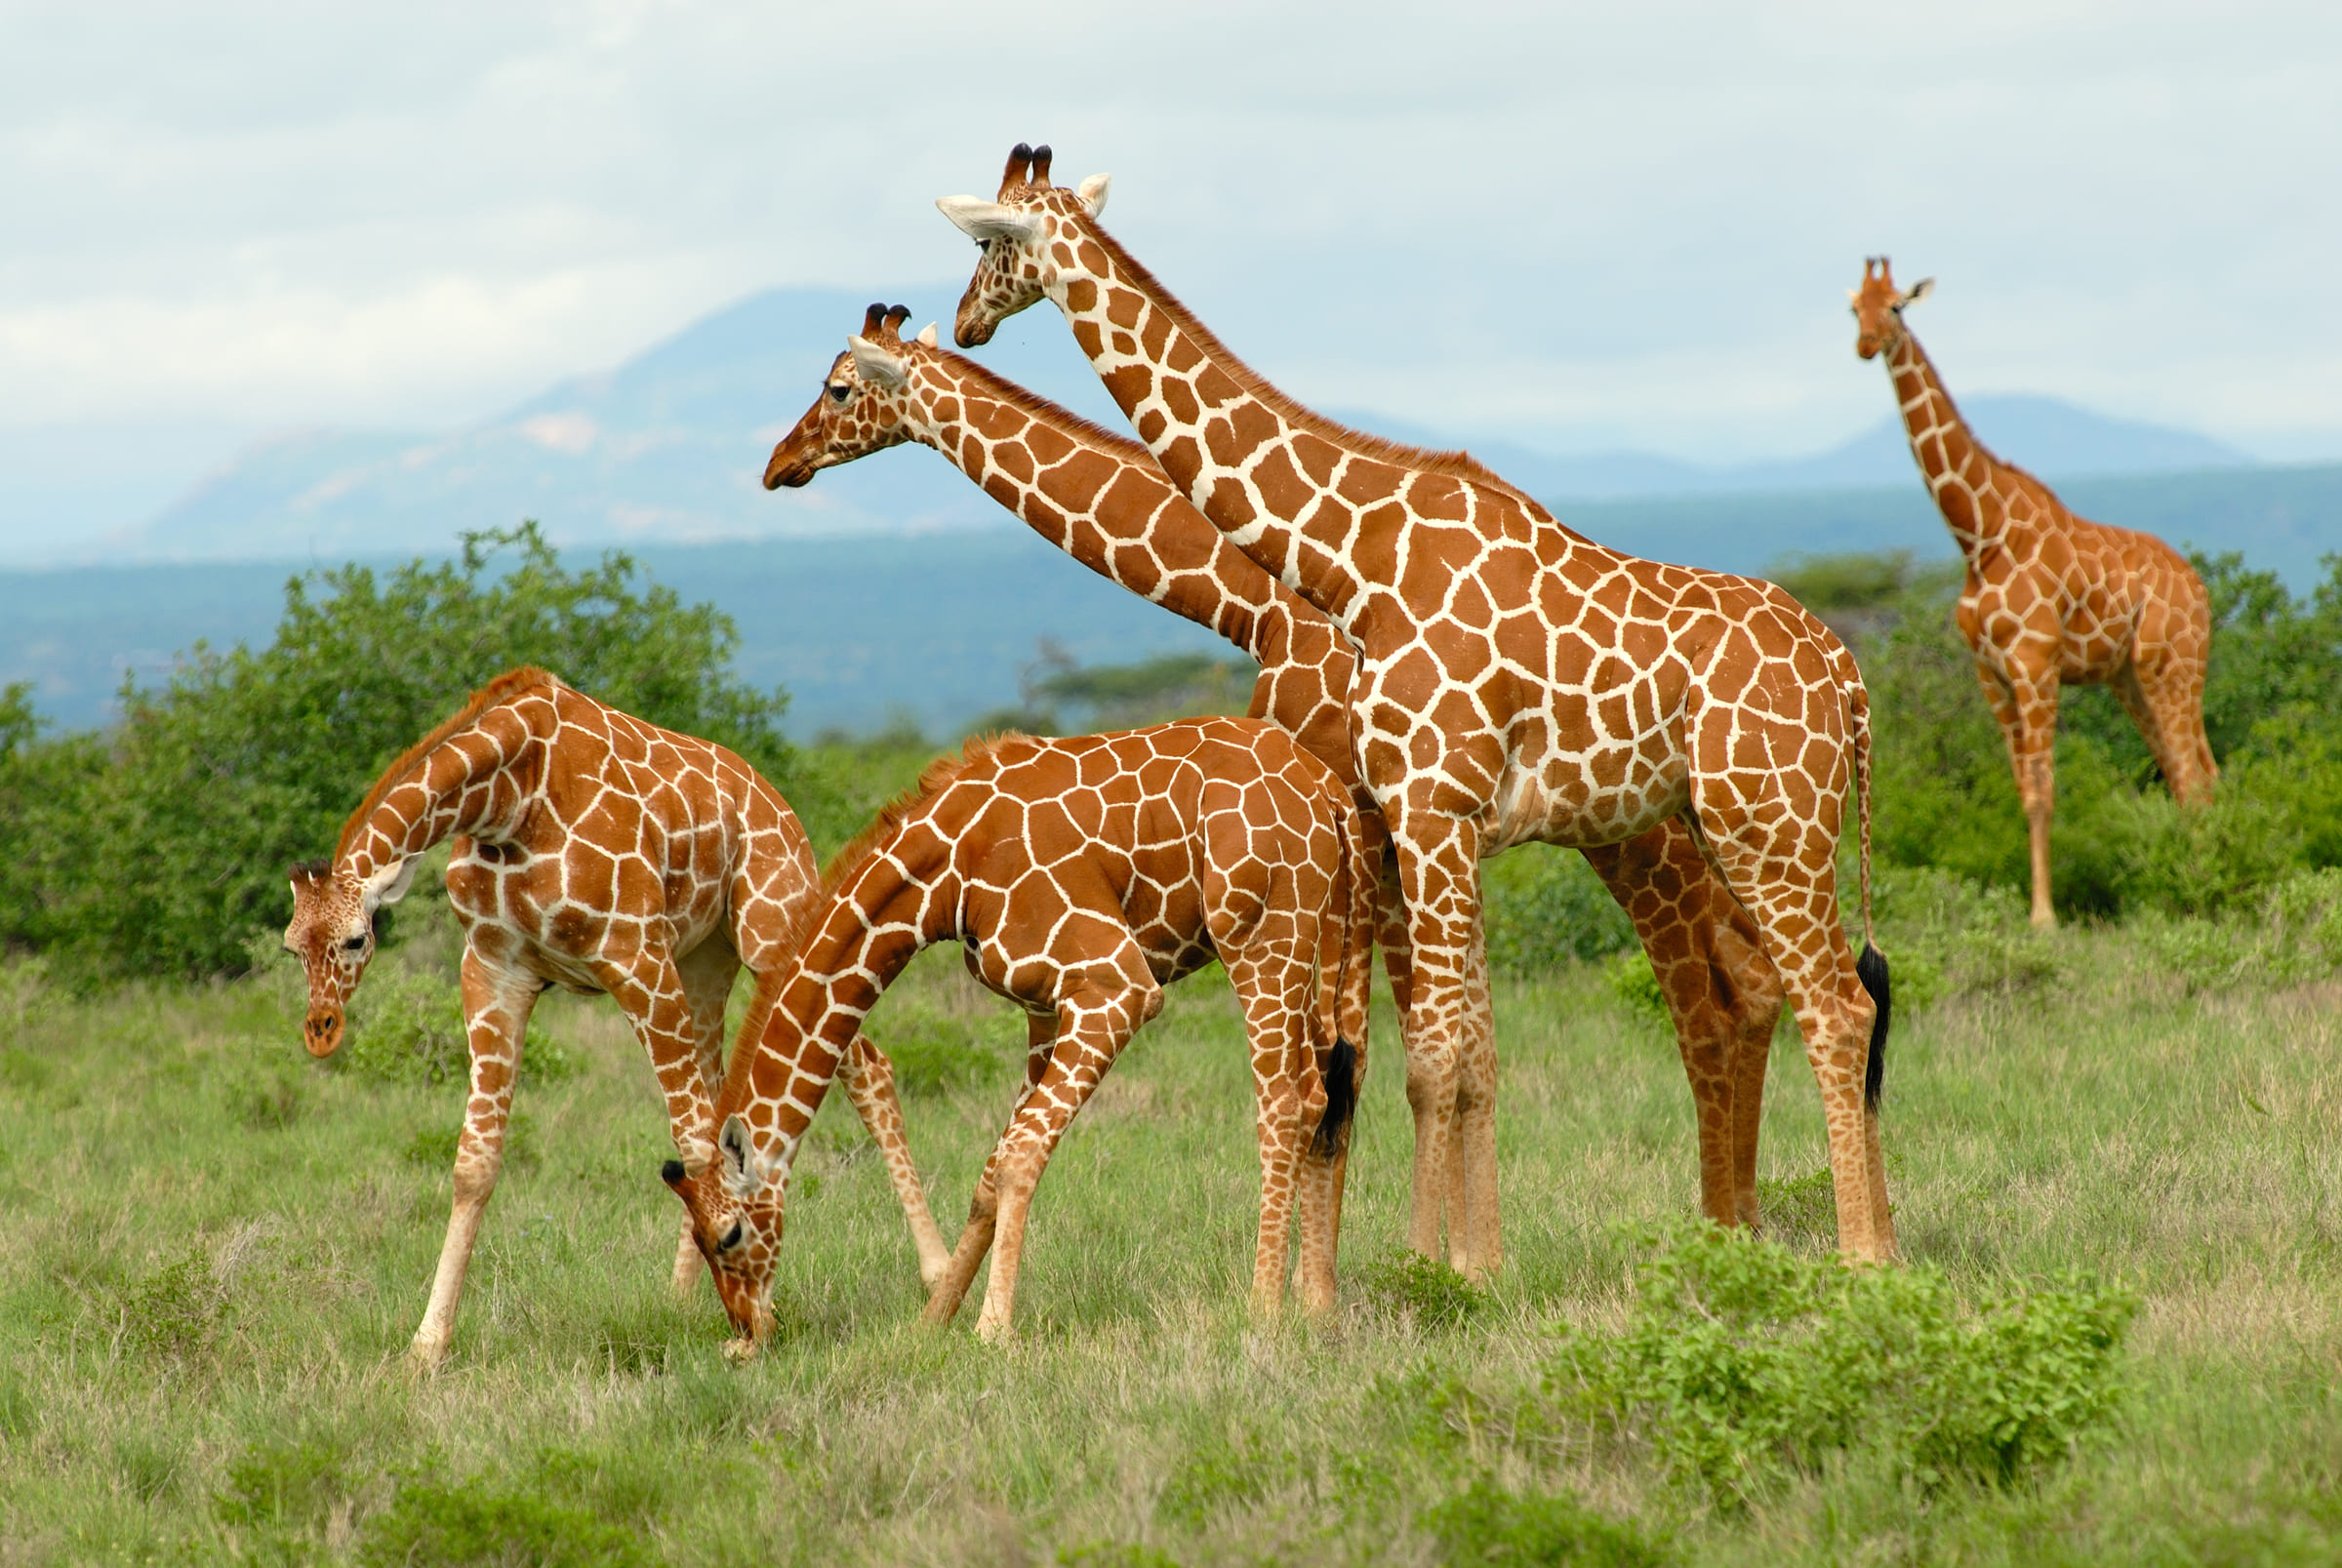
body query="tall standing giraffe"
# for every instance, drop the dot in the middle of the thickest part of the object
(595, 852)
(1102, 500)
(1083, 875)
(2049, 599)
(1517, 681)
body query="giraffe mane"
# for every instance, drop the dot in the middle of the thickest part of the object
(934, 780)
(1455, 463)
(1055, 414)
(496, 691)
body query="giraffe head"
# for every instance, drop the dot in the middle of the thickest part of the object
(735, 1215)
(1026, 233)
(332, 933)
(864, 406)
(1879, 306)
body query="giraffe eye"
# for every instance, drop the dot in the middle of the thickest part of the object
(841, 391)
(731, 1237)
(356, 944)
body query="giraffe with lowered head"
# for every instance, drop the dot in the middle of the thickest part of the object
(1102, 499)
(1081, 876)
(2049, 599)
(1515, 681)
(595, 852)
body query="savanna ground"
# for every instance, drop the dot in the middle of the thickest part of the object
(212, 1252)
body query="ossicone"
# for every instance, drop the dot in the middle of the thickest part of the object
(1020, 159)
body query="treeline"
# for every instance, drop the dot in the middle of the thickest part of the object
(158, 847)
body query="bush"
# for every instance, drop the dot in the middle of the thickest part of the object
(933, 1049)
(1406, 1285)
(1544, 907)
(406, 1026)
(1743, 1364)
(161, 848)
(1486, 1524)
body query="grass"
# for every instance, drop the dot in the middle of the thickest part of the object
(212, 1252)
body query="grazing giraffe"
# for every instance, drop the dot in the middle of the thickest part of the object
(1102, 499)
(1083, 875)
(599, 853)
(2049, 598)
(1517, 681)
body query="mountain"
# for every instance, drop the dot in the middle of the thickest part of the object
(669, 447)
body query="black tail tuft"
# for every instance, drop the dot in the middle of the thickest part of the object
(1871, 970)
(1341, 1100)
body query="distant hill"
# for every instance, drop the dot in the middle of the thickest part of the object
(669, 447)
(939, 628)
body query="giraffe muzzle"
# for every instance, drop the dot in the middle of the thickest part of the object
(321, 1032)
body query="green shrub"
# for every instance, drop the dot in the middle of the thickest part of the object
(1485, 1524)
(176, 1312)
(1544, 907)
(431, 1519)
(1635, 984)
(406, 1026)
(1743, 1364)
(161, 847)
(1405, 1284)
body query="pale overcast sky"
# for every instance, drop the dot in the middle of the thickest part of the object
(1573, 225)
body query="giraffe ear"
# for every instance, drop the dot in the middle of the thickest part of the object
(876, 364)
(389, 884)
(982, 220)
(1092, 192)
(927, 335)
(1918, 291)
(744, 1172)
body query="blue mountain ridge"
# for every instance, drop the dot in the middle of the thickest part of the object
(669, 447)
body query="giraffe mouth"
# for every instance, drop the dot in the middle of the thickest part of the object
(787, 472)
(321, 1032)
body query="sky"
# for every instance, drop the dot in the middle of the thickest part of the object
(1573, 225)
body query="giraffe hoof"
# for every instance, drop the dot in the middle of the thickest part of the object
(425, 1357)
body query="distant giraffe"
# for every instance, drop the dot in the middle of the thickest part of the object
(1102, 500)
(598, 853)
(2050, 598)
(1515, 681)
(1083, 875)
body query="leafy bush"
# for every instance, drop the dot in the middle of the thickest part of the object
(1743, 1364)
(433, 1519)
(1485, 1524)
(933, 1049)
(176, 1312)
(1635, 984)
(1405, 1284)
(161, 847)
(406, 1026)
(1544, 906)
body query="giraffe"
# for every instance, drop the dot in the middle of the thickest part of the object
(1102, 499)
(2048, 598)
(599, 853)
(1515, 681)
(1083, 875)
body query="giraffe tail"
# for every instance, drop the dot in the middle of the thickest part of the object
(1355, 918)
(1871, 967)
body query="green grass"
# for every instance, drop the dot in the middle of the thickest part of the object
(212, 1252)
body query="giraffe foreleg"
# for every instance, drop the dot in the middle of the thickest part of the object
(497, 1003)
(2026, 706)
(868, 1078)
(958, 1273)
(707, 972)
(1439, 884)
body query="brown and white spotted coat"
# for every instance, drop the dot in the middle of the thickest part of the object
(1083, 875)
(1515, 681)
(2049, 599)
(599, 853)
(1102, 500)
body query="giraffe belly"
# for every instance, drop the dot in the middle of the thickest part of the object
(1615, 792)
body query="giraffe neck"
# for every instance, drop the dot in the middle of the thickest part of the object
(1959, 472)
(1116, 514)
(477, 781)
(1221, 441)
(901, 896)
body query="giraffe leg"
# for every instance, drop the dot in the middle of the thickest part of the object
(1276, 991)
(2026, 704)
(1439, 883)
(651, 989)
(1095, 1022)
(497, 1003)
(1475, 1115)
(870, 1082)
(707, 972)
(958, 1275)
(2164, 699)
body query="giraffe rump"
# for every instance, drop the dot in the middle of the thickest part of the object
(514, 681)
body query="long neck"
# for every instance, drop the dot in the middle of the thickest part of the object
(902, 897)
(1105, 501)
(1959, 472)
(477, 781)
(1100, 498)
